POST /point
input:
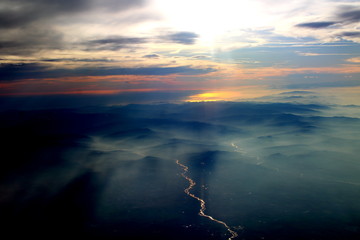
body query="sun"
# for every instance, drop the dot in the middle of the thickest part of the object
(211, 18)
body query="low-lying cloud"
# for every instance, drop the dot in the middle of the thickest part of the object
(316, 25)
(11, 72)
(186, 38)
(105, 168)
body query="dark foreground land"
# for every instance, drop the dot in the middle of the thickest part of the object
(269, 170)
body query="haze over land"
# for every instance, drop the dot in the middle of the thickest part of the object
(273, 170)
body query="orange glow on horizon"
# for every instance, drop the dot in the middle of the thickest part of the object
(79, 92)
(248, 92)
(211, 97)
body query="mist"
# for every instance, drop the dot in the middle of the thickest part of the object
(269, 170)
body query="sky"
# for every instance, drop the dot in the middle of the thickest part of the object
(179, 50)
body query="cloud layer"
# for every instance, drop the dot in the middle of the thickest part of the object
(10, 72)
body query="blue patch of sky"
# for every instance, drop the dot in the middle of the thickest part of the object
(290, 40)
(294, 55)
(311, 81)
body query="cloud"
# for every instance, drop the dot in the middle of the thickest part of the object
(11, 72)
(316, 25)
(344, 15)
(186, 38)
(354, 60)
(351, 16)
(311, 54)
(151, 56)
(19, 13)
(296, 92)
(113, 43)
(30, 40)
(201, 57)
(340, 24)
(350, 34)
(77, 60)
(30, 26)
(118, 5)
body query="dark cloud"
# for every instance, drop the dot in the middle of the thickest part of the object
(296, 92)
(11, 72)
(77, 60)
(350, 34)
(183, 70)
(28, 26)
(12, 19)
(186, 38)
(151, 56)
(113, 43)
(116, 40)
(30, 40)
(350, 15)
(316, 25)
(201, 57)
(118, 5)
(19, 13)
(345, 15)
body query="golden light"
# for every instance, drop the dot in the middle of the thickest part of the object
(214, 96)
(243, 93)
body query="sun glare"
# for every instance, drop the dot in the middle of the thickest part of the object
(211, 18)
(214, 96)
(243, 93)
